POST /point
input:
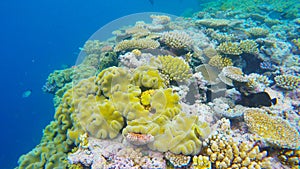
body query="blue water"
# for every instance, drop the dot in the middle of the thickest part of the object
(38, 37)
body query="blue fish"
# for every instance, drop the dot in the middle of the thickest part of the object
(26, 93)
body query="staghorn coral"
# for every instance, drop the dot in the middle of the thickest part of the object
(144, 43)
(258, 32)
(229, 48)
(220, 62)
(249, 46)
(178, 160)
(176, 69)
(272, 129)
(177, 39)
(224, 152)
(201, 162)
(288, 82)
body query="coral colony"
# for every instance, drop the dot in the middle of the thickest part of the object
(218, 90)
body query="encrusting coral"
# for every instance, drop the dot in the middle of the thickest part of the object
(274, 130)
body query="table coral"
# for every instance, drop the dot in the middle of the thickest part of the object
(274, 130)
(234, 73)
(175, 68)
(177, 39)
(144, 43)
(288, 82)
(229, 48)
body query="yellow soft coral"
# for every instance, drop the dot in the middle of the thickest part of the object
(275, 130)
(174, 68)
(147, 77)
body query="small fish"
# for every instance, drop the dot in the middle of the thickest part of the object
(257, 100)
(152, 2)
(26, 93)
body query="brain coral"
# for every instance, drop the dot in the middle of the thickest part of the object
(174, 68)
(177, 39)
(288, 82)
(144, 43)
(274, 130)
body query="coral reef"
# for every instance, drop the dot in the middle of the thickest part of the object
(274, 130)
(178, 160)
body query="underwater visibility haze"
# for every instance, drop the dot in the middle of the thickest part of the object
(150, 84)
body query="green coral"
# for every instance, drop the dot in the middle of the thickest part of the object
(175, 68)
(274, 130)
(229, 48)
(288, 82)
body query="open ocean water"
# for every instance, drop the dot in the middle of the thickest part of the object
(38, 37)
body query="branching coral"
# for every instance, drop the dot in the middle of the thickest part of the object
(178, 160)
(272, 129)
(144, 43)
(229, 48)
(224, 152)
(249, 46)
(174, 68)
(177, 39)
(288, 82)
(220, 62)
